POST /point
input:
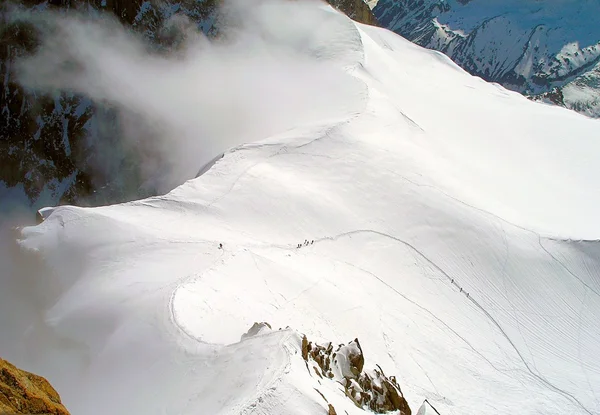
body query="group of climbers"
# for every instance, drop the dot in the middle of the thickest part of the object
(461, 290)
(305, 243)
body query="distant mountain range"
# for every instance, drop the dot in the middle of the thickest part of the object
(547, 50)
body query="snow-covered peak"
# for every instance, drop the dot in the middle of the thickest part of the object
(430, 219)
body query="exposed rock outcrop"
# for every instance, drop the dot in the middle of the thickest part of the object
(22, 392)
(370, 389)
(355, 9)
(256, 329)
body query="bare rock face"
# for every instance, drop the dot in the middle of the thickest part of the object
(22, 392)
(355, 356)
(370, 389)
(356, 9)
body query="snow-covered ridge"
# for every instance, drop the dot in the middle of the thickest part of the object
(68, 148)
(430, 219)
(529, 46)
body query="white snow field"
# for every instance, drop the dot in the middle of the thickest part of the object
(439, 185)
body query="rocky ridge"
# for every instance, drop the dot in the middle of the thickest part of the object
(368, 389)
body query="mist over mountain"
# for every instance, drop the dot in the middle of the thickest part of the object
(64, 140)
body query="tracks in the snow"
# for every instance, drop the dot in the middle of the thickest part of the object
(284, 149)
(537, 376)
(290, 247)
(422, 255)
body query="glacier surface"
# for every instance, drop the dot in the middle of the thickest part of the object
(455, 234)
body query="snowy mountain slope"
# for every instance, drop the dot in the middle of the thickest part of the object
(75, 148)
(440, 212)
(528, 46)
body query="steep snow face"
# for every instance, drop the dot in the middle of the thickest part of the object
(528, 46)
(437, 223)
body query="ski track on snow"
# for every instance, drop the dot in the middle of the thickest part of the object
(349, 234)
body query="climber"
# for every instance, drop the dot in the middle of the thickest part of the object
(220, 246)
